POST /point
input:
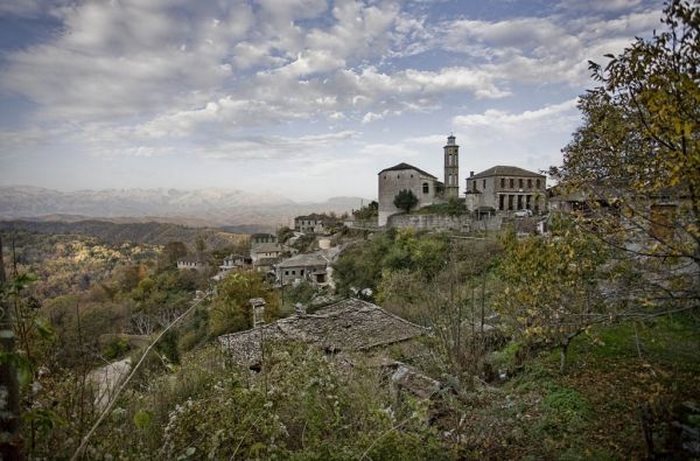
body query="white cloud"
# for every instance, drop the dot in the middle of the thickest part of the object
(599, 5)
(125, 58)
(530, 139)
(271, 147)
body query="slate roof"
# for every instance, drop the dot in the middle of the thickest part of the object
(406, 166)
(505, 170)
(318, 258)
(349, 325)
(267, 248)
(191, 259)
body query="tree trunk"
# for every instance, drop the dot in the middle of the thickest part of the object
(562, 355)
(10, 440)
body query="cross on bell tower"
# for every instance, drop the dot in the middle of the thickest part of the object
(451, 168)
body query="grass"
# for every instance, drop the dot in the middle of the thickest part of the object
(593, 411)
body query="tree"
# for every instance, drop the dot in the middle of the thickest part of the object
(284, 233)
(200, 245)
(405, 200)
(230, 308)
(636, 158)
(172, 252)
(552, 288)
(369, 211)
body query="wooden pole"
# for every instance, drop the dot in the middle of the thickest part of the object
(10, 439)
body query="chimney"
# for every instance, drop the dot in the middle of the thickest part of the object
(471, 173)
(258, 305)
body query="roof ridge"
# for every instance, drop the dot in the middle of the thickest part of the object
(406, 166)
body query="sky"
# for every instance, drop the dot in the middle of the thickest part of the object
(308, 99)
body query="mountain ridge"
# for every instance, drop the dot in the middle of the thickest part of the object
(198, 207)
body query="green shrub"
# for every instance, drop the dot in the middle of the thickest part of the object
(115, 348)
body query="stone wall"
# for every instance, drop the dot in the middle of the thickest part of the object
(464, 223)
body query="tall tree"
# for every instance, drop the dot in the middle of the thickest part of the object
(636, 158)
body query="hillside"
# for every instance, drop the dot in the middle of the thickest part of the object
(152, 233)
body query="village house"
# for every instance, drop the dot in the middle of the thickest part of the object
(314, 223)
(351, 325)
(231, 262)
(264, 256)
(315, 268)
(506, 189)
(192, 263)
(262, 238)
(265, 252)
(426, 187)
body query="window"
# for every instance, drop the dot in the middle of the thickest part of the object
(384, 176)
(474, 186)
(520, 183)
(398, 176)
(426, 188)
(529, 183)
(537, 183)
(301, 272)
(503, 183)
(411, 175)
(286, 272)
(483, 185)
(294, 272)
(511, 182)
(501, 200)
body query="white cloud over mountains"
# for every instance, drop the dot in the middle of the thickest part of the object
(159, 77)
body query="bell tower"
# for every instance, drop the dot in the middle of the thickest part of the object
(451, 168)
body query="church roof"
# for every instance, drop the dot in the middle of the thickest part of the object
(505, 170)
(406, 166)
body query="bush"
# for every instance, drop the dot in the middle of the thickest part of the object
(405, 200)
(115, 348)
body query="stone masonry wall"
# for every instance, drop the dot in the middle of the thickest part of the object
(462, 223)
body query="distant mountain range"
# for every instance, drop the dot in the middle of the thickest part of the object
(203, 207)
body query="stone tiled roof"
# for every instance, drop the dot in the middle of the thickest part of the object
(318, 258)
(350, 325)
(267, 248)
(505, 170)
(406, 166)
(190, 260)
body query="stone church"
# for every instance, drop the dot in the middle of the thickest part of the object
(426, 187)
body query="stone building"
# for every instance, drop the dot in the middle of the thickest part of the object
(403, 176)
(424, 185)
(309, 223)
(233, 261)
(506, 188)
(262, 238)
(314, 223)
(315, 267)
(191, 263)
